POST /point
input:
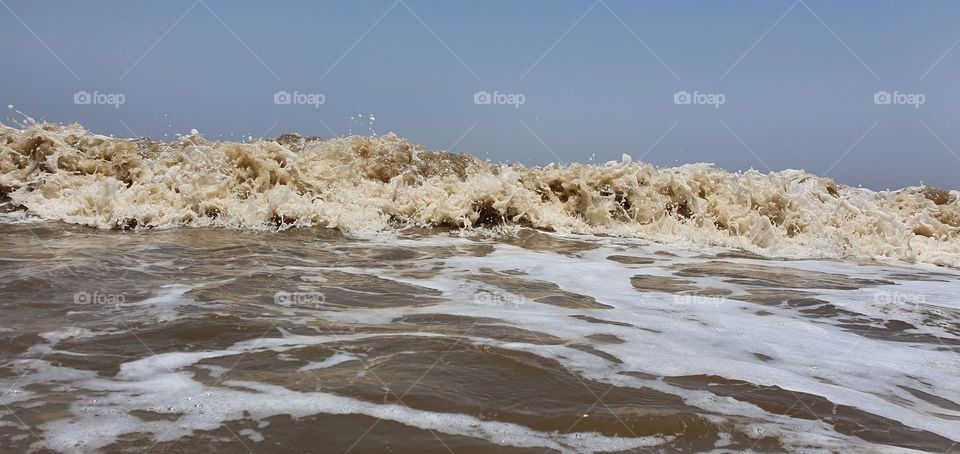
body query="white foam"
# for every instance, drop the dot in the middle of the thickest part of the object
(337, 358)
(250, 433)
(667, 338)
(373, 184)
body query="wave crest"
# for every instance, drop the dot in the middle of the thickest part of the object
(356, 183)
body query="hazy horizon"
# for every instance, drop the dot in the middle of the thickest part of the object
(771, 85)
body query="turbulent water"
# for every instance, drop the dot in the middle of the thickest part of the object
(306, 295)
(373, 184)
(194, 340)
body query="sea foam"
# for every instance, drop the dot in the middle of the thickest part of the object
(362, 184)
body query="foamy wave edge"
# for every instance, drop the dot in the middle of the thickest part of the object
(362, 184)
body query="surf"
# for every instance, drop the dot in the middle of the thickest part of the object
(373, 184)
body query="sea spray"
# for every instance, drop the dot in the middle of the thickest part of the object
(360, 184)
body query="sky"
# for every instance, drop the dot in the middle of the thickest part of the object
(862, 91)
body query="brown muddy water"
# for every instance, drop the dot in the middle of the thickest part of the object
(198, 340)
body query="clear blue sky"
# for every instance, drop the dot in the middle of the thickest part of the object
(798, 85)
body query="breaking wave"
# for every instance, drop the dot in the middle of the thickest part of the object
(360, 184)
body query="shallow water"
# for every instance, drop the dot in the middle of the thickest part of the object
(307, 340)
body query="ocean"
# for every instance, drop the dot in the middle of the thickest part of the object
(363, 294)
